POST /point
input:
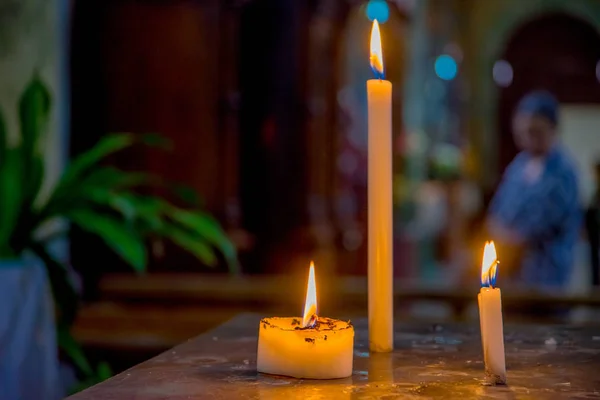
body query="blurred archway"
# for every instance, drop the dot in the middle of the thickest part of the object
(556, 52)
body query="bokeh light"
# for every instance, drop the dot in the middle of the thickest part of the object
(502, 73)
(446, 67)
(379, 10)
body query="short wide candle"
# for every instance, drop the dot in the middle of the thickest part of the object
(310, 347)
(323, 351)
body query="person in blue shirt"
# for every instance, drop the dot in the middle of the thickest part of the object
(536, 208)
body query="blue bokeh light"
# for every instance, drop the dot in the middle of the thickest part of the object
(446, 67)
(379, 10)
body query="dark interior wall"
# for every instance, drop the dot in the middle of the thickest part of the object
(88, 123)
(88, 96)
(164, 67)
(272, 114)
(150, 67)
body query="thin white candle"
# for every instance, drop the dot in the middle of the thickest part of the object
(490, 318)
(380, 256)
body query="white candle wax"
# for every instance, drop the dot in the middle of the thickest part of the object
(490, 318)
(492, 334)
(324, 351)
(481, 323)
(380, 235)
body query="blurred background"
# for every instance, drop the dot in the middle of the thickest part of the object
(263, 105)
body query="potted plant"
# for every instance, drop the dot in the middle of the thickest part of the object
(99, 199)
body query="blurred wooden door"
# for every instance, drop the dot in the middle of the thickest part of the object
(158, 67)
(272, 128)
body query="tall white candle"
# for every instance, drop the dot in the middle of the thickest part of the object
(379, 96)
(490, 318)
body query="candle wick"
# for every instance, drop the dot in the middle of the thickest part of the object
(312, 322)
(491, 274)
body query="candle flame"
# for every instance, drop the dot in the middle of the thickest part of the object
(489, 265)
(310, 305)
(376, 52)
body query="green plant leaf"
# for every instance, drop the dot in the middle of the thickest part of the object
(11, 191)
(133, 208)
(88, 160)
(206, 227)
(115, 179)
(103, 372)
(99, 187)
(123, 206)
(73, 350)
(191, 243)
(148, 210)
(64, 295)
(156, 140)
(3, 139)
(187, 195)
(117, 235)
(34, 112)
(6, 206)
(28, 216)
(23, 167)
(33, 179)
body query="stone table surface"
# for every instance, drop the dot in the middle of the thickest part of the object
(430, 361)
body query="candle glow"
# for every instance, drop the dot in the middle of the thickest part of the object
(376, 57)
